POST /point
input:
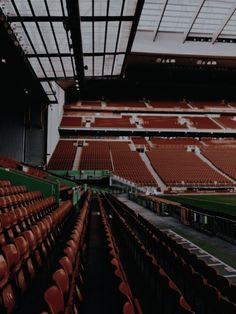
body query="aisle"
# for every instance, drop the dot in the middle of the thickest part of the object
(98, 289)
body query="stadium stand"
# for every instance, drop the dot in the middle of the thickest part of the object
(166, 122)
(169, 105)
(139, 141)
(202, 123)
(75, 122)
(91, 103)
(63, 156)
(208, 104)
(180, 167)
(117, 157)
(128, 164)
(123, 104)
(30, 226)
(119, 122)
(163, 262)
(96, 156)
(227, 122)
(222, 158)
(170, 142)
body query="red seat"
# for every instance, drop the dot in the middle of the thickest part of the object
(7, 295)
(23, 248)
(54, 299)
(14, 266)
(61, 279)
(67, 265)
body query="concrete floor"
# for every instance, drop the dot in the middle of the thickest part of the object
(204, 245)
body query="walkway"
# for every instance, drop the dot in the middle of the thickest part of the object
(98, 293)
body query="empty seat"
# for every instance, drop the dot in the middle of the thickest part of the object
(54, 299)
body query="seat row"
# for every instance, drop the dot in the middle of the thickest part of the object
(20, 219)
(223, 284)
(215, 294)
(164, 295)
(10, 201)
(8, 190)
(5, 183)
(64, 296)
(63, 155)
(21, 259)
(184, 167)
(130, 305)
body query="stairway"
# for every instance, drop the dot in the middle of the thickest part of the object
(159, 181)
(77, 158)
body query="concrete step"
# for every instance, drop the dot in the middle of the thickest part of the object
(159, 181)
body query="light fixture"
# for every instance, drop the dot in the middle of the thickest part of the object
(158, 60)
(3, 60)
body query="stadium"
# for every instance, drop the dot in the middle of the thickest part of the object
(117, 157)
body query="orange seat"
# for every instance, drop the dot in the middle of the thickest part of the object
(61, 279)
(54, 299)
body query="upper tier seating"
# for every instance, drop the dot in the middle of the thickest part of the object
(91, 103)
(161, 122)
(120, 122)
(179, 167)
(129, 165)
(130, 104)
(169, 105)
(138, 140)
(202, 123)
(95, 156)
(63, 156)
(220, 143)
(227, 122)
(71, 122)
(208, 104)
(175, 142)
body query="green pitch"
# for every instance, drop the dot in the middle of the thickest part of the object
(218, 203)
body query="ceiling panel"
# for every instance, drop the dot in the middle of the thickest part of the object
(45, 33)
(45, 42)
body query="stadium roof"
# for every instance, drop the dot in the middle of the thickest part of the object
(63, 39)
(193, 27)
(79, 39)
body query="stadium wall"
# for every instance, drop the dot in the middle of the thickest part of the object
(23, 131)
(55, 113)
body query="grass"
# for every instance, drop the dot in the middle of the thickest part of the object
(218, 203)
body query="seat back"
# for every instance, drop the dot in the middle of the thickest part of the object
(62, 280)
(54, 299)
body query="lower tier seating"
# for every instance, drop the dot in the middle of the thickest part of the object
(179, 167)
(95, 156)
(129, 165)
(63, 156)
(223, 158)
(183, 281)
(30, 225)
